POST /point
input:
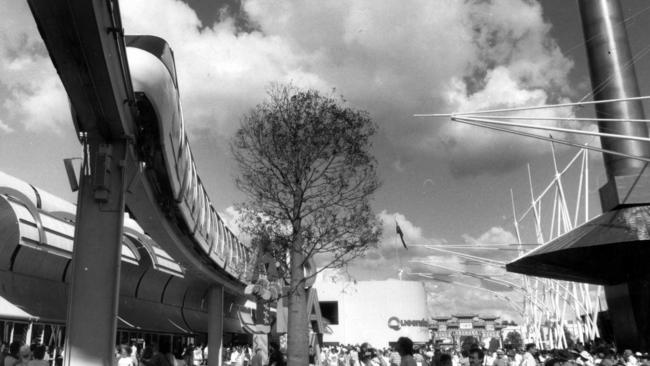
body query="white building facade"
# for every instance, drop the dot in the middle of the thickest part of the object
(378, 312)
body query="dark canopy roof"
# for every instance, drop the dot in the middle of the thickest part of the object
(607, 250)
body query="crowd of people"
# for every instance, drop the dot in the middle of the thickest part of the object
(19, 354)
(404, 353)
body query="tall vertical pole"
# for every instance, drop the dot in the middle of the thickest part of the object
(94, 287)
(611, 68)
(612, 74)
(215, 325)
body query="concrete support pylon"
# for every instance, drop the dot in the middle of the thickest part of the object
(94, 287)
(215, 325)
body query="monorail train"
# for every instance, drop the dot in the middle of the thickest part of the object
(157, 297)
(170, 169)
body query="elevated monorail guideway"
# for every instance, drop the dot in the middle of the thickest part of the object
(156, 295)
(125, 104)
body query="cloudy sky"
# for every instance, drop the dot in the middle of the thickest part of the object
(443, 182)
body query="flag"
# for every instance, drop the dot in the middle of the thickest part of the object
(399, 232)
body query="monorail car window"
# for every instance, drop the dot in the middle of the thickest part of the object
(194, 189)
(242, 259)
(212, 233)
(233, 246)
(197, 211)
(235, 251)
(190, 196)
(58, 234)
(220, 248)
(246, 259)
(229, 249)
(205, 212)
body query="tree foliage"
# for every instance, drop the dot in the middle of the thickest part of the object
(514, 341)
(305, 167)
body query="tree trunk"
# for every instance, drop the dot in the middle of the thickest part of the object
(298, 335)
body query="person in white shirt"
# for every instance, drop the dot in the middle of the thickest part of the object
(455, 359)
(125, 356)
(529, 358)
(197, 355)
(235, 356)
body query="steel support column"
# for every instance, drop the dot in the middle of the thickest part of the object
(611, 67)
(215, 325)
(94, 287)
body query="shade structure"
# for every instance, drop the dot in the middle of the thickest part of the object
(610, 249)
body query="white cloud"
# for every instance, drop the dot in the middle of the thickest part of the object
(494, 235)
(5, 127)
(390, 57)
(475, 150)
(30, 90)
(398, 166)
(448, 56)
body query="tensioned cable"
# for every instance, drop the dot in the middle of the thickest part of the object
(550, 139)
(503, 283)
(472, 245)
(628, 64)
(480, 247)
(559, 129)
(547, 106)
(471, 257)
(516, 306)
(578, 119)
(639, 55)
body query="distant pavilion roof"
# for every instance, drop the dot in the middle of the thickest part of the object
(607, 250)
(488, 317)
(441, 318)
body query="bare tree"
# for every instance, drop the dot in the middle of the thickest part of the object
(305, 166)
